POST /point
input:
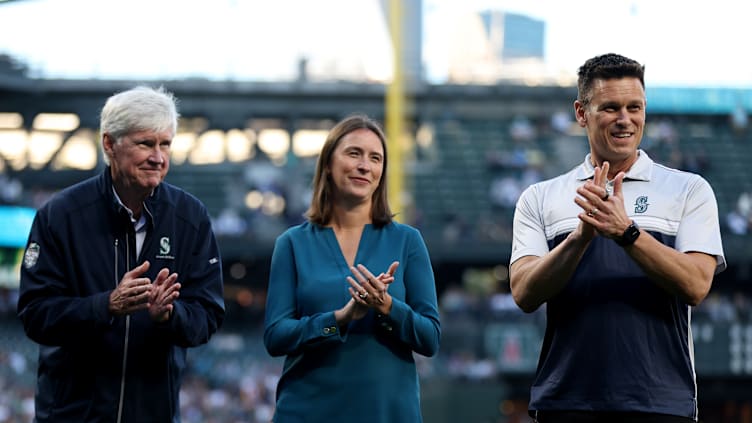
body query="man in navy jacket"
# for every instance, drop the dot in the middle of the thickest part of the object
(120, 276)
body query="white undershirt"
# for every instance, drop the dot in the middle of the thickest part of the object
(138, 225)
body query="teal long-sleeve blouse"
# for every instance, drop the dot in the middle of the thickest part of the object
(365, 373)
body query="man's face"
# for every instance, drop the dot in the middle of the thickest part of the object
(139, 160)
(614, 119)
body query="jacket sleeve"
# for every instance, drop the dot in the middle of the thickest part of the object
(199, 311)
(50, 309)
(285, 331)
(415, 321)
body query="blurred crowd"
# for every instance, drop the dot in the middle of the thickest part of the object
(739, 219)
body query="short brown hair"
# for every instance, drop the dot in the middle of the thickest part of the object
(320, 210)
(606, 66)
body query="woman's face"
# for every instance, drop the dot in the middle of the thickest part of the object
(356, 166)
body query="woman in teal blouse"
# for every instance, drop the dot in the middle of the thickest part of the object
(351, 294)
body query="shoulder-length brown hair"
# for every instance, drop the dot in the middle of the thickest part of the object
(320, 210)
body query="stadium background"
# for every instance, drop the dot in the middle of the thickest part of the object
(248, 148)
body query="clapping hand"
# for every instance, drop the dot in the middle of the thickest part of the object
(132, 293)
(592, 197)
(603, 211)
(165, 291)
(356, 308)
(370, 290)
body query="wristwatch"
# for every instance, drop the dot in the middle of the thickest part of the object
(629, 236)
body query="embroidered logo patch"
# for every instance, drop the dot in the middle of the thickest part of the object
(165, 248)
(31, 255)
(641, 204)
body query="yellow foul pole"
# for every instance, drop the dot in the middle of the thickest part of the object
(395, 120)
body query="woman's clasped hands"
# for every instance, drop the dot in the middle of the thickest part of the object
(367, 291)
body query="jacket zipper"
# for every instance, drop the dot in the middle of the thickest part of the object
(121, 401)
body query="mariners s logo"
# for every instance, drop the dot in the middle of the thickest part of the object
(641, 204)
(164, 246)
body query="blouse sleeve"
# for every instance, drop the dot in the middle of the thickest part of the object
(285, 332)
(415, 321)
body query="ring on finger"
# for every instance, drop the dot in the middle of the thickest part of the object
(363, 295)
(593, 212)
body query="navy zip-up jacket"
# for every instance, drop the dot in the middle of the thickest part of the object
(93, 366)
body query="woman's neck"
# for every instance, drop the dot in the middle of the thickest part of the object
(350, 218)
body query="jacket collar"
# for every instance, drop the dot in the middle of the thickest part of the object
(106, 189)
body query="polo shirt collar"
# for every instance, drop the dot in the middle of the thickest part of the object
(641, 170)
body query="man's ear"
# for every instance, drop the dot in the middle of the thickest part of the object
(107, 143)
(579, 113)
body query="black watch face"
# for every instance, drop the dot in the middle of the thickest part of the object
(631, 234)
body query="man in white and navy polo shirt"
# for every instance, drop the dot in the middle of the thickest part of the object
(619, 249)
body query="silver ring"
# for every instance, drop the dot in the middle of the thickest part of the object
(363, 296)
(592, 212)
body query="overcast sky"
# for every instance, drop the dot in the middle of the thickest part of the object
(682, 43)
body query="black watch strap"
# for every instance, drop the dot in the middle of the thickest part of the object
(629, 236)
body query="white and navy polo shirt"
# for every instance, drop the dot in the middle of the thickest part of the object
(614, 340)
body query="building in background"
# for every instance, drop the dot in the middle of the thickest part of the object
(494, 45)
